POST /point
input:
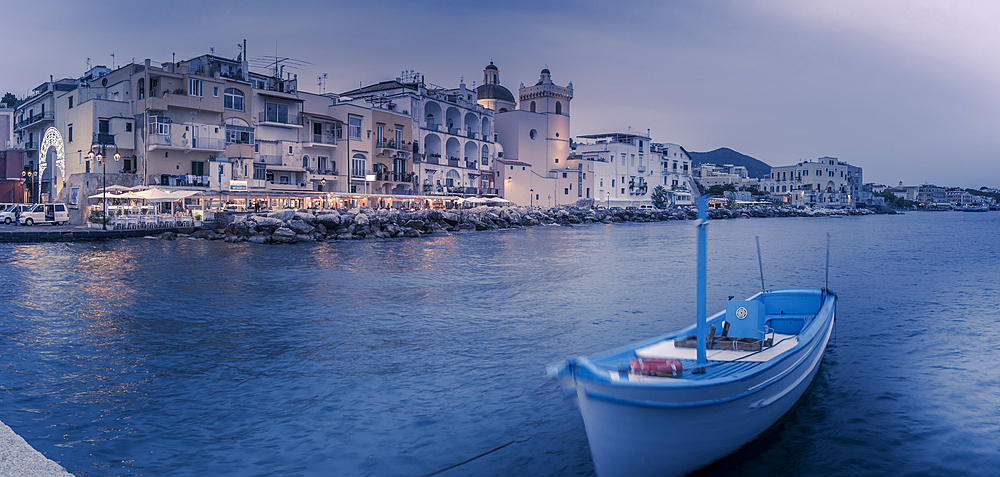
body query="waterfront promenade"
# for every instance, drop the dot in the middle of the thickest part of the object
(75, 233)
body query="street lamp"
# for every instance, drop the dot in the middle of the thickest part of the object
(609, 201)
(32, 177)
(103, 140)
(531, 197)
(322, 188)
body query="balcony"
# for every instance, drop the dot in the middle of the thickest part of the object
(176, 100)
(394, 176)
(179, 142)
(458, 190)
(471, 164)
(183, 180)
(46, 116)
(432, 158)
(280, 120)
(453, 161)
(273, 159)
(296, 186)
(30, 145)
(324, 140)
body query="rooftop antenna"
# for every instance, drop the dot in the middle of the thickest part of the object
(321, 83)
(88, 64)
(112, 59)
(760, 262)
(211, 50)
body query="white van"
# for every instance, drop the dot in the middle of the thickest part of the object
(54, 214)
(7, 212)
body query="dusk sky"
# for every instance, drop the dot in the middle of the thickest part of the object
(906, 90)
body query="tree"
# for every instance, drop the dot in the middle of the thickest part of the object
(894, 201)
(10, 100)
(721, 189)
(660, 198)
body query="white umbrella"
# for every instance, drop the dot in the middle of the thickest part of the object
(115, 187)
(153, 195)
(126, 195)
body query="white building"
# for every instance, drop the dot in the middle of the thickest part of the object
(454, 134)
(535, 167)
(826, 182)
(625, 170)
(676, 171)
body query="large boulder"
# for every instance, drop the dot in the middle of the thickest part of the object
(305, 216)
(270, 224)
(283, 235)
(282, 215)
(361, 220)
(300, 227)
(415, 224)
(207, 235)
(329, 220)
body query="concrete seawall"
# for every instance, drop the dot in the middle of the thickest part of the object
(20, 459)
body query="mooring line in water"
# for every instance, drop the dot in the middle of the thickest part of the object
(466, 461)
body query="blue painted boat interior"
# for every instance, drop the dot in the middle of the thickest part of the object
(786, 311)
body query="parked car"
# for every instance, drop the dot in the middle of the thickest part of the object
(54, 214)
(7, 213)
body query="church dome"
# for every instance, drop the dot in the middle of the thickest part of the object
(491, 66)
(546, 71)
(494, 91)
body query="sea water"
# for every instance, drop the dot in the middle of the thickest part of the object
(402, 357)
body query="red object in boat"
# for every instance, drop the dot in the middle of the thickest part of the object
(666, 368)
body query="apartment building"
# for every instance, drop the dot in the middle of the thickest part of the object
(825, 182)
(675, 170)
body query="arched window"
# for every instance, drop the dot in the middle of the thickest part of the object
(532, 106)
(558, 107)
(358, 167)
(233, 99)
(238, 131)
(305, 162)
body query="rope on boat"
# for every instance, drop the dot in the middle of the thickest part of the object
(466, 461)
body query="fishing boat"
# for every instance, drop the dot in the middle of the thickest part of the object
(972, 208)
(677, 403)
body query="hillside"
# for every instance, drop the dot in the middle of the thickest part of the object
(724, 155)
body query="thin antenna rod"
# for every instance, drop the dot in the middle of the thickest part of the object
(826, 285)
(760, 262)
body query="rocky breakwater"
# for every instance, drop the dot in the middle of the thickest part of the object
(291, 226)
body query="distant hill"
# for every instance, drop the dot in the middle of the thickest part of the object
(724, 155)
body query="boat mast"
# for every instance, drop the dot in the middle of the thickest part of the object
(702, 325)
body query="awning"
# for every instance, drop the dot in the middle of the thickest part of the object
(285, 168)
(324, 118)
(275, 94)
